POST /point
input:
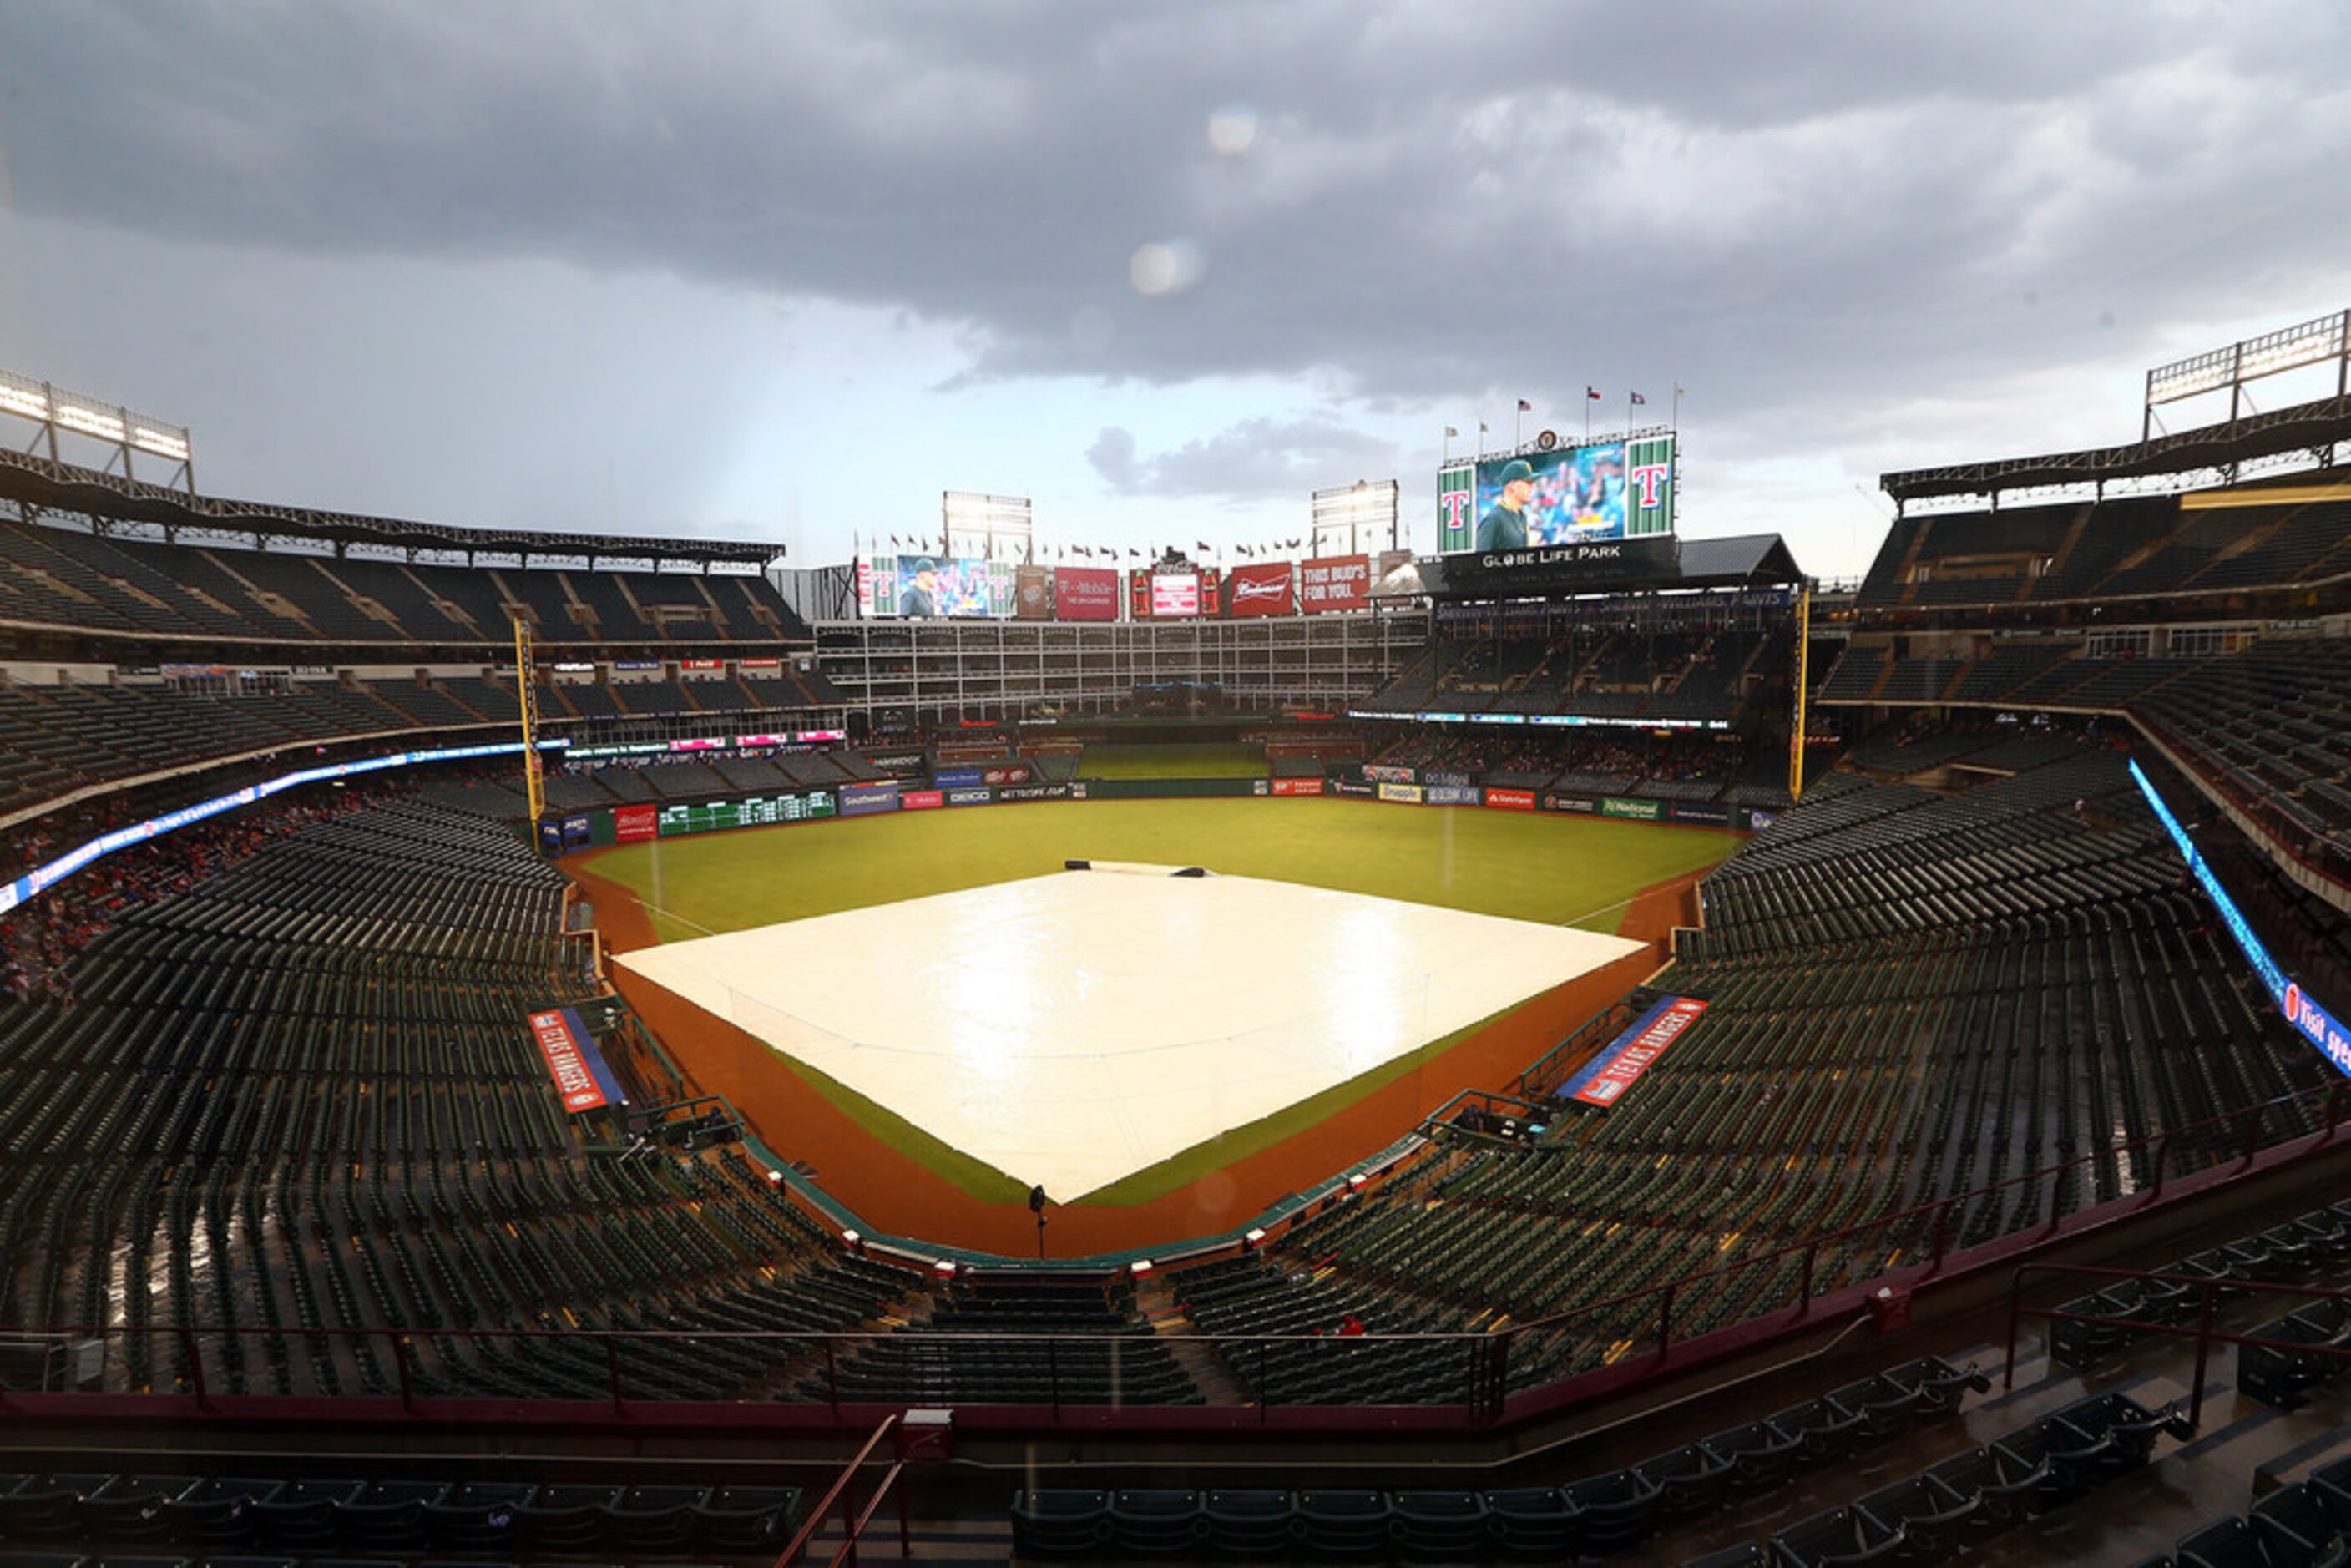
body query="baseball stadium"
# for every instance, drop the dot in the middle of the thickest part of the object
(1611, 1047)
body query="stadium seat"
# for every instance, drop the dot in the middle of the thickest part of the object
(1343, 1525)
(1156, 1522)
(1440, 1526)
(131, 1508)
(748, 1519)
(477, 1516)
(1061, 1522)
(1249, 1523)
(1535, 1524)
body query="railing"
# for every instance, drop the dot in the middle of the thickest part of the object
(1645, 1330)
(852, 1523)
(2209, 1293)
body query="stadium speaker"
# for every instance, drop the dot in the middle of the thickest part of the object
(1076, 865)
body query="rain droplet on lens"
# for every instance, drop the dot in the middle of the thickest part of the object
(1231, 129)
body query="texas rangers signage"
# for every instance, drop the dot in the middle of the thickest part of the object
(563, 1041)
(1603, 1080)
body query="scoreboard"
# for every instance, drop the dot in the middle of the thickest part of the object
(756, 811)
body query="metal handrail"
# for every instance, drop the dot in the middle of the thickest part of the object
(2208, 1288)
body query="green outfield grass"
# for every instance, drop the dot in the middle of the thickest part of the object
(1173, 762)
(1576, 871)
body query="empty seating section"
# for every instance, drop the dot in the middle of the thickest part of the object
(2270, 727)
(1043, 1344)
(348, 1512)
(1600, 672)
(301, 1097)
(2129, 547)
(1910, 996)
(58, 577)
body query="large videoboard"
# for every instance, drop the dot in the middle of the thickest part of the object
(920, 586)
(1574, 495)
(757, 812)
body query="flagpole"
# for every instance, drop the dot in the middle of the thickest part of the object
(1518, 425)
(1444, 447)
(1677, 406)
(1587, 415)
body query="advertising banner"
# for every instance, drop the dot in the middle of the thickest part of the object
(1040, 792)
(1297, 786)
(1759, 820)
(1450, 794)
(1580, 804)
(919, 800)
(993, 773)
(582, 1080)
(1573, 495)
(757, 665)
(575, 832)
(702, 666)
(634, 824)
(1388, 773)
(1511, 799)
(897, 761)
(1444, 775)
(1407, 794)
(1334, 582)
(1085, 593)
(865, 799)
(1264, 589)
(1032, 593)
(1632, 810)
(924, 586)
(1712, 816)
(1352, 789)
(1603, 1080)
(977, 795)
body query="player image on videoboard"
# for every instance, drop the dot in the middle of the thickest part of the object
(1555, 497)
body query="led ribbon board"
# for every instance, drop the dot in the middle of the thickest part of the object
(2316, 1025)
(41, 878)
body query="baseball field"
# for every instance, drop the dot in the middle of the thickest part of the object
(1581, 872)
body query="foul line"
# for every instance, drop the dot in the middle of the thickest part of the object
(1578, 919)
(680, 919)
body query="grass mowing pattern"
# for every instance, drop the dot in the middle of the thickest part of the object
(1559, 869)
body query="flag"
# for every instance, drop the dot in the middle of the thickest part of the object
(1481, 427)
(1203, 545)
(1591, 394)
(1638, 401)
(1525, 407)
(1452, 433)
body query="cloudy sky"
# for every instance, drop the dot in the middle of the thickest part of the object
(789, 270)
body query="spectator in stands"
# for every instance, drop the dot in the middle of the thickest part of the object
(1504, 527)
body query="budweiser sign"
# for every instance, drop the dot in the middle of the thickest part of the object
(1339, 582)
(1260, 591)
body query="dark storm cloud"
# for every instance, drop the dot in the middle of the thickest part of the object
(1440, 203)
(1255, 457)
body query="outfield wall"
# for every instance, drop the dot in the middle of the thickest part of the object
(641, 821)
